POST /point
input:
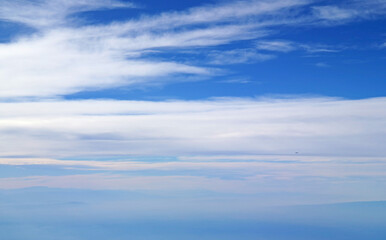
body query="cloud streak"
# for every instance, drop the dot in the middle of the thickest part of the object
(311, 180)
(318, 126)
(46, 14)
(353, 10)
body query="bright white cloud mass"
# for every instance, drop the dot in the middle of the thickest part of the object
(223, 106)
(224, 126)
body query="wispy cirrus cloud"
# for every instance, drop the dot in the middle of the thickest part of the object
(237, 56)
(63, 58)
(47, 14)
(286, 46)
(349, 11)
(334, 13)
(59, 63)
(276, 46)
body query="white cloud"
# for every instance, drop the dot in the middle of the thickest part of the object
(276, 46)
(319, 48)
(238, 81)
(234, 126)
(50, 13)
(57, 64)
(225, 13)
(349, 11)
(322, 65)
(334, 13)
(289, 46)
(238, 56)
(63, 59)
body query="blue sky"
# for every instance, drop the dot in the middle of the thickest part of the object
(180, 119)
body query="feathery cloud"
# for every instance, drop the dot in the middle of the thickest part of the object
(62, 58)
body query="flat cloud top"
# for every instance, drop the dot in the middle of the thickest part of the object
(317, 126)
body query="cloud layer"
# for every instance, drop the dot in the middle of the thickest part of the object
(317, 126)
